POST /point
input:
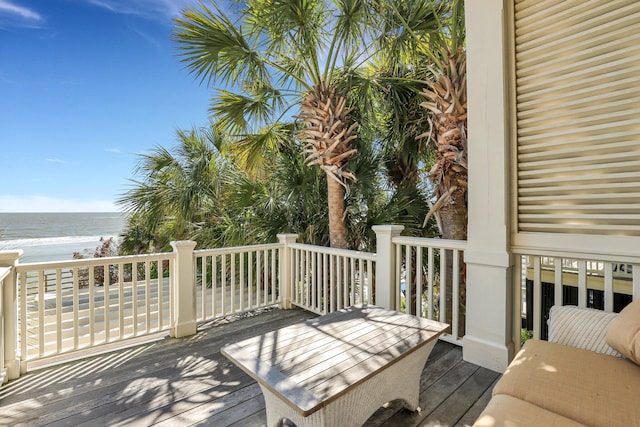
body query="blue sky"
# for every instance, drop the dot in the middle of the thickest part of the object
(85, 86)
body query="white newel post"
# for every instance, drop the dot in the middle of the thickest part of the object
(183, 290)
(10, 311)
(489, 341)
(386, 264)
(286, 284)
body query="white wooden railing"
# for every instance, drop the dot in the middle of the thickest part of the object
(110, 299)
(595, 281)
(69, 309)
(4, 273)
(326, 279)
(422, 266)
(236, 280)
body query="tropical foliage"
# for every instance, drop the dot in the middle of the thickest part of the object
(284, 58)
(345, 85)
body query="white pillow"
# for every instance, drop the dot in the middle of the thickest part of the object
(581, 328)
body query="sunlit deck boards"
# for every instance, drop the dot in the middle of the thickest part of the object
(187, 381)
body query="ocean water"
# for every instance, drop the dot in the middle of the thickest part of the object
(56, 236)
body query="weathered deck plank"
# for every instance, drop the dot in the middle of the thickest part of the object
(188, 382)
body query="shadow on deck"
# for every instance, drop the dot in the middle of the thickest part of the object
(187, 381)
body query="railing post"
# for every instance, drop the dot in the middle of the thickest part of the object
(386, 264)
(10, 310)
(183, 290)
(286, 284)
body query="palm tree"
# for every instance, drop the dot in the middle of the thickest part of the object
(427, 59)
(447, 101)
(178, 193)
(280, 56)
(447, 94)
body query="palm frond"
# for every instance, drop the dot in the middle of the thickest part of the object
(214, 49)
(254, 150)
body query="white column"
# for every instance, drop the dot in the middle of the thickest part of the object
(10, 309)
(183, 290)
(386, 265)
(286, 285)
(490, 280)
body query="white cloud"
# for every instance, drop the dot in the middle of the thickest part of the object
(50, 204)
(14, 15)
(112, 150)
(54, 160)
(149, 9)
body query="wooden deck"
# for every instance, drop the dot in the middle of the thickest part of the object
(179, 382)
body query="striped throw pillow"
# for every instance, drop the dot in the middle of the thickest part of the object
(583, 328)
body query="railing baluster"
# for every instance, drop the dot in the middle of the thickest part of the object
(345, 281)
(419, 281)
(408, 278)
(203, 286)
(430, 277)
(266, 277)
(274, 276)
(76, 308)
(352, 282)
(557, 286)
(232, 267)
(325, 283)
(517, 307)
(120, 301)
(223, 276)
(332, 285)
(106, 283)
(396, 285)
(147, 293)
(537, 296)
(24, 317)
(41, 303)
(582, 283)
(608, 287)
(250, 256)
(370, 282)
(214, 285)
(92, 306)
(339, 282)
(134, 297)
(160, 287)
(314, 284)
(456, 294)
(58, 290)
(443, 285)
(243, 282)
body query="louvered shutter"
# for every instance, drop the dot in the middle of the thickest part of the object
(577, 102)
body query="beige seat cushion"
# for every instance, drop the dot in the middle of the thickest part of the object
(507, 411)
(587, 387)
(624, 332)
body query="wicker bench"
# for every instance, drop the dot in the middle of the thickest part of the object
(339, 368)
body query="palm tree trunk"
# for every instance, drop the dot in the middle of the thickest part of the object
(337, 224)
(454, 226)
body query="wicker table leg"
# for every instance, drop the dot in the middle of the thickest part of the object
(401, 380)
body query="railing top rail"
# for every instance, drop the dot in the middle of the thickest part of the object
(333, 251)
(88, 262)
(429, 242)
(236, 249)
(4, 272)
(587, 256)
